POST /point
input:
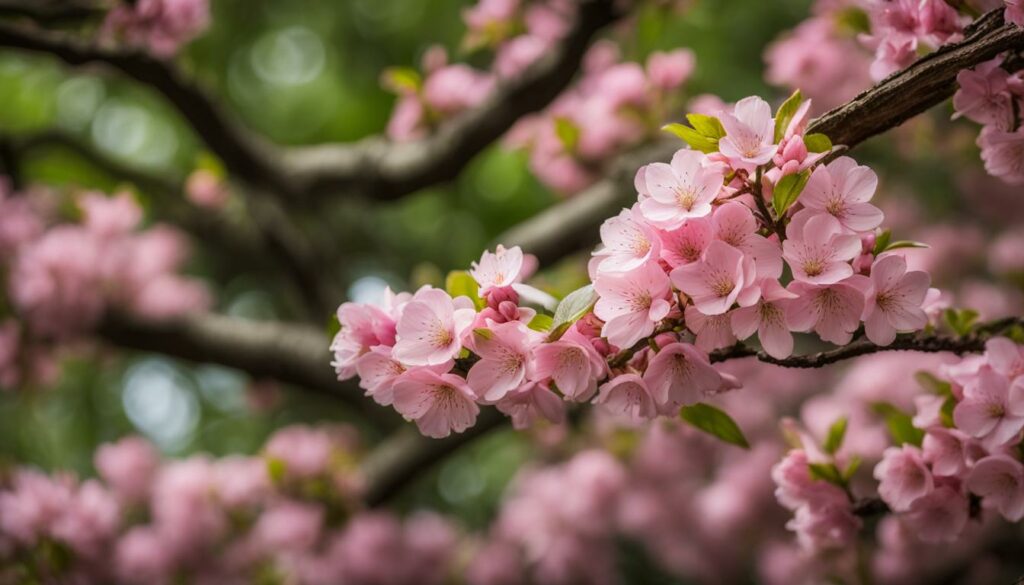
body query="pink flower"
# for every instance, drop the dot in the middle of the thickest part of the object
(377, 374)
(128, 467)
(991, 409)
(631, 303)
(893, 303)
(817, 249)
(628, 394)
(109, 216)
(999, 479)
(795, 487)
(143, 556)
(500, 269)
(1015, 12)
(826, 526)
(768, 319)
(453, 89)
(842, 189)
(667, 71)
(288, 526)
(893, 53)
(903, 477)
(983, 95)
(1003, 154)
(712, 331)
(945, 450)
(734, 224)
(431, 327)
(505, 351)
(750, 133)
(939, 516)
(1005, 357)
(305, 451)
(833, 311)
(686, 243)
(681, 190)
(572, 364)
(628, 243)
(680, 375)
(723, 276)
(362, 327)
(532, 402)
(161, 26)
(205, 189)
(439, 403)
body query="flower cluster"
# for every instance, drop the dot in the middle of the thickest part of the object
(903, 29)
(161, 27)
(693, 266)
(285, 516)
(992, 97)
(614, 105)
(61, 278)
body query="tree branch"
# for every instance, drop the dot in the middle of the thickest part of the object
(289, 353)
(565, 227)
(388, 170)
(51, 12)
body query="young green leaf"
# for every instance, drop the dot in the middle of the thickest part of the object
(695, 139)
(905, 244)
(333, 326)
(402, 79)
(707, 126)
(852, 467)
(901, 425)
(568, 133)
(483, 333)
(787, 190)
(960, 321)
(882, 242)
(460, 283)
(571, 309)
(827, 472)
(817, 143)
(836, 433)
(541, 322)
(715, 422)
(929, 382)
(785, 114)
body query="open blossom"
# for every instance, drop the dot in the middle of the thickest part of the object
(991, 408)
(1015, 12)
(749, 133)
(734, 224)
(680, 375)
(362, 328)
(939, 516)
(817, 249)
(712, 331)
(572, 364)
(842, 189)
(686, 243)
(723, 276)
(431, 328)
(628, 394)
(1005, 357)
(681, 190)
(903, 477)
(945, 449)
(768, 319)
(378, 371)
(999, 479)
(506, 351)
(532, 402)
(1003, 154)
(128, 467)
(628, 243)
(161, 26)
(631, 303)
(894, 300)
(832, 311)
(439, 403)
(499, 269)
(983, 94)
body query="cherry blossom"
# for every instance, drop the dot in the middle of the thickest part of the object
(431, 327)
(990, 409)
(680, 191)
(632, 303)
(723, 276)
(768, 319)
(439, 403)
(817, 250)
(842, 189)
(749, 133)
(903, 477)
(999, 479)
(680, 375)
(505, 352)
(628, 394)
(894, 300)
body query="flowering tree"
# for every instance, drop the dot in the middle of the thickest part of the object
(755, 381)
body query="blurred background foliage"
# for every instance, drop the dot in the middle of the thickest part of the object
(304, 72)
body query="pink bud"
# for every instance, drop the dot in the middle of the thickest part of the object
(498, 295)
(664, 339)
(509, 310)
(795, 149)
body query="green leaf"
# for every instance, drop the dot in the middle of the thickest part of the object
(905, 244)
(852, 467)
(484, 333)
(853, 21)
(946, 412)
(541, 322)
(276, 469)
(836, 433)
(571, 309)
(460, 283)
(568, 133)
(207, 161)
(960, 321)
(785, 114)
(695, 139)
(707, 126)
(826, 472)
(817, 143)
(333, 326)
(787, 190)
(715, 422)
(901, 425)
(402, 79)
(882, 242)
(929, 382)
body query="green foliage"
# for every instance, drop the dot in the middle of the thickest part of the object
(787, 190)
(460, 283)
(541, 322)
(961, 321)
(571, 309)
(568, 133)
(900, 424)
(817, 143)
(715, 422)
(785, 114)
(836, 433)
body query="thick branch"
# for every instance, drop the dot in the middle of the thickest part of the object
(563, 228)
(51, 12)
(285, 352)
(390, 170)
(243, 155)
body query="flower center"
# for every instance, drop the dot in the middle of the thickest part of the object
(814, 267)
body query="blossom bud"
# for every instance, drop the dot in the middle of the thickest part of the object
(663, 339)
(498, 295)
